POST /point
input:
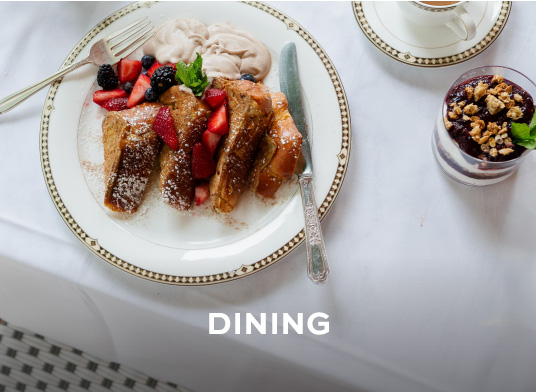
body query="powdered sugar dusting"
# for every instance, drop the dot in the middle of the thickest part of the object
(155, 221)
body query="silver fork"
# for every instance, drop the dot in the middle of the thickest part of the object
(108, 50)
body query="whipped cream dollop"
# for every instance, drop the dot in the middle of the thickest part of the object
(226, 50)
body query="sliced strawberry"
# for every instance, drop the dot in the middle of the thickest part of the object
(201, 193)
(137, 95)
(163, 126)
(173, 65)
(217, 122)
(214, 97)
(203, 165)
(128, 70)
(100, 97)
(153, 68)
(211, 140)
(116, 104)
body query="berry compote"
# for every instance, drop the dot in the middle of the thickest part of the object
(461, 125)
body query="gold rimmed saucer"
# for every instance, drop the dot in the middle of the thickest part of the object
(385, 26)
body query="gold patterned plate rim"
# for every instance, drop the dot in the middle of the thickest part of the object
(432, 62)
(244, 270)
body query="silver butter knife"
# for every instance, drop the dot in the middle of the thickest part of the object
(317, 261)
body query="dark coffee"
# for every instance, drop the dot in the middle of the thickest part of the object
(439, 3)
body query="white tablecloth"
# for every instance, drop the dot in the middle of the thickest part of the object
(433, 284)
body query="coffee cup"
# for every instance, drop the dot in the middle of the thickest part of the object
(437, 13)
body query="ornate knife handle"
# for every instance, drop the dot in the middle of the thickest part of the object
(317, 260)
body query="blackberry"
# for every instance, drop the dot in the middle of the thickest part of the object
(162, 79)
(247, 77)
(147, 61)
(150, 95)
(106, 77)
(128, 86)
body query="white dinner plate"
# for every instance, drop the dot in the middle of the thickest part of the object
(199, 246)
(393, 34)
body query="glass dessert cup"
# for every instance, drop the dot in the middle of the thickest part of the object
(456, 163)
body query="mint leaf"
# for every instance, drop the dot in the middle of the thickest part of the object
(202, 88)
(181, 75)
(525, 135)
(520, 131)
(192, 75)
(532, 125)
(527, 143)
(194, 70)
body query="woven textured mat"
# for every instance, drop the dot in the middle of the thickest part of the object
(30, 362)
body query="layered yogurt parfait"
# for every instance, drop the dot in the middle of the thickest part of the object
(479, 136)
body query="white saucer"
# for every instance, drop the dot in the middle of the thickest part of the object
(396, 36)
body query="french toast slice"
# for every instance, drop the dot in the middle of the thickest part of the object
(250, 110)
(279, 151)
(130, 149)
(190, 116)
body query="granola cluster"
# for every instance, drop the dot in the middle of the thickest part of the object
(492, 136)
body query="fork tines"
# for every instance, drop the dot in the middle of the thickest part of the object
(130, 37)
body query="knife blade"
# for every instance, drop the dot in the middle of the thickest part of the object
(317, 261)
